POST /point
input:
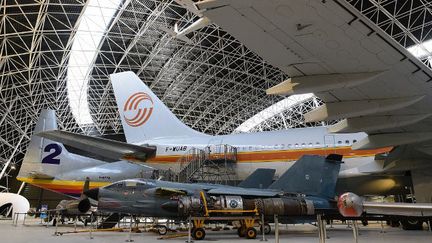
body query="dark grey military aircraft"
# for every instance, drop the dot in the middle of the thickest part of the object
(305, 189)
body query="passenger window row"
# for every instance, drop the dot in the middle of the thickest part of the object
(289, 146)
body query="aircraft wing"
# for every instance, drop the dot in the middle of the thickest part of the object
(365, 78)
(244, 192)
(100, 146)
(351, 205)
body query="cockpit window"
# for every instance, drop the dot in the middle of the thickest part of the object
(116, 186)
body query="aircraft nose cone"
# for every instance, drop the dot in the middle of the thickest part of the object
(92, 193)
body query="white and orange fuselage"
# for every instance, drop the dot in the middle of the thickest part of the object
(275, 149)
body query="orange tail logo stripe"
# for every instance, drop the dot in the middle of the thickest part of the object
(142, 111)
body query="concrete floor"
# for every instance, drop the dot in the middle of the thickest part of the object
(34, 232)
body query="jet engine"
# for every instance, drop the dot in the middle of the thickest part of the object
(195, 205)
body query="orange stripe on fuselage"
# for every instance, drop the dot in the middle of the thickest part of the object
(285, 155)
(62, 186)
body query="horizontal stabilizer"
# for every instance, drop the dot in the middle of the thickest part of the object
(261, 178)
(391, 139)
(109, 149)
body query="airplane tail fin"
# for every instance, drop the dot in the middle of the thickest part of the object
(142, 114)
(311, 175)
(43, 156)
(261, 178)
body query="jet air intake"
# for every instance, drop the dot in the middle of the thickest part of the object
(237, 205)
(74, 206)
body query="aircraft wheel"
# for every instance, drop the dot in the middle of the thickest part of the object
(198, 234)
(251, 233)
(267, 229)
(162, 230)
(241, 231)
(54, 222)
(412, 224)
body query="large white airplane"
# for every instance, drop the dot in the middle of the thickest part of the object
(149, 125)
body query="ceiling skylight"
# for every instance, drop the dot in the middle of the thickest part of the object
(422, 51)
(272, 110)
(96, 17)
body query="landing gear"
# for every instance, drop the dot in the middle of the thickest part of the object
(198, 233)
(247, 229)
(251, 233)
(412, 224)
(162, 229)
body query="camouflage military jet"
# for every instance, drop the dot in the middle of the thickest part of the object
(303, 190)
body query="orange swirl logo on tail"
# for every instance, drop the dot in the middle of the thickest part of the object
(142, 113)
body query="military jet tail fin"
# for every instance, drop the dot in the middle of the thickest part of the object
(311, 175)
(43, 156)
(261, 178)
(86, 187)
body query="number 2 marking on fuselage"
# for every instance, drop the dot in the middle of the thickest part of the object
(51, 158)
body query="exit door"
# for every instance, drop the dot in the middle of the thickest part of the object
(329, 143)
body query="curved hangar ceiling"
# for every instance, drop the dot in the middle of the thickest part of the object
(212, 82)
